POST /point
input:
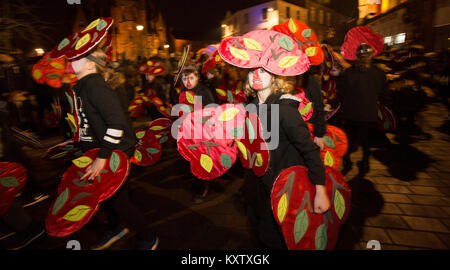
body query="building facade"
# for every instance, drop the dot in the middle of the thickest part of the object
(316, 14)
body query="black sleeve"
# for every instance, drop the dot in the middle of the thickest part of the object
(207, 97)
(341, 85)
(298, 134)
(384, 95)
(315, 96)
(106, 102)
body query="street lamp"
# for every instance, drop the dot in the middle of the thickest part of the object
(270, 9)
(39, 51)
(166, 46)
(139, 27)
(223, 25)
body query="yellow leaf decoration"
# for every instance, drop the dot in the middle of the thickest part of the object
(218, 58)
(328, 159)
(242, 149)
(228, 114)
(137, 155)
(288, 61)
(206, 162)
(240, 54)
(221, 92)
(82, 162)
(91, 25)
(140, 134)
(259, 160)
(282, 208)
(190, 98)
(56, 65)
(252, 44)
(139, 101)
(157, 70)
(292, 26)
(83, 41)
(149, 63)
(157, 128)
(311, 51)
(37, 74)
(158, 136)
(77, 213)
(131, 107)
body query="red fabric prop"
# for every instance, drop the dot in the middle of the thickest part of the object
(26, 138)
(332, 113)
(152, 67)
(161, 127)
(78, 200)
(274, 51)
(292, 200)
(233, 93)
(358, 35)
(329, 91)
(106, 46)
(50, 120)
(83, 41)
(13, 177)
(67, 150)
(253, 150)
(386, 119)
(147, 150)
(136, 107)
(160, 107)
(328, 63)
(150, 93)
(49, 71)
(336, 145)
(305, 107)
(305, 37)
(72, 116)
(206, 137)
(211, 63)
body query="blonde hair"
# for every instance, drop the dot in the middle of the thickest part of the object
(280, 84)
(101, 55)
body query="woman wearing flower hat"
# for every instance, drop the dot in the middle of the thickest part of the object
(271, 56)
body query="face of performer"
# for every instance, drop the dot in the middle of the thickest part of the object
(209, 75)
(259, 79)
(149, 77)
(364, 54)
(81, 67)
(190, 80)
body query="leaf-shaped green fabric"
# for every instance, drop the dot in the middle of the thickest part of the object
(307, 33)
(53, 76)
(386, 124)
(237, 132)
(230, 96)
(163, 139)
(301, 225)
(152, 150)
(285, 43)
(250, 130)
(321, 238)
(80, 196)
(328, 142)
(138, 155)
(70, 100)
(59, 155)
(114, 162)
(339, 204)
(225, 160)
(306, 109)
(60, 201)
(9, 182)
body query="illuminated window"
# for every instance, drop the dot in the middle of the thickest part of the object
(328, 18)
(388, 41)
(321, 17)
(312, 14)
(400, 38)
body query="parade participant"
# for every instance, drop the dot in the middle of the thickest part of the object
(103, 125)
(116, 81)
(190, 79)
(360, 88)
(260, 51)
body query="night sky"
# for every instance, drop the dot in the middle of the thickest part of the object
(188, 19)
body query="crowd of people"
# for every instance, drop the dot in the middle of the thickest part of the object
(403, 78)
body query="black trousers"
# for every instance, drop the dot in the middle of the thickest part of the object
(358, 135)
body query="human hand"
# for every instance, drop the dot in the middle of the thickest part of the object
(319, 142)
(321, 200)
(95, 169)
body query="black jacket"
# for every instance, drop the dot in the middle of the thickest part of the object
(314, 94)
(103, 123)
(201, 90)
(359, 91)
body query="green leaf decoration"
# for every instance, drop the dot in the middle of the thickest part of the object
(63, 44)
(321, 237)
(138, 155)
(328, 142)
(60, 201)
(210, 144)
(70, 100)
(203, 119)
(225, 160)
(102, 24)
(250, 130)
(286, 43)
(140, 134)
(380, 116)
(163, 139)
(387, 124)
(237, 132)
(307, 33)
(9, 182)
(114, 162)
(193, 146)
(53, 76)
(301, 225)
(230, 96)
(67, 147)
(152, 150)
(339, 204)
(186, 108)
(59, 155)
(306, 109)
(80, 196)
